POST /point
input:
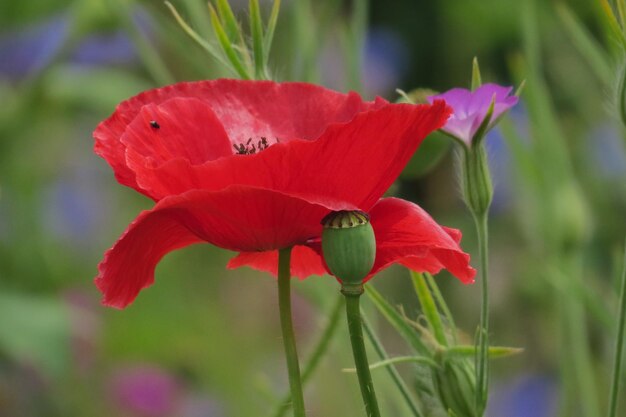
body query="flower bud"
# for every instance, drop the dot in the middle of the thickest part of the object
(455, 384)
(348, 245)
(477, 187)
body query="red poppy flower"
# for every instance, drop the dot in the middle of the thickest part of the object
(253, 166)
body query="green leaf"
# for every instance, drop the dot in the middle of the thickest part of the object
(194, 35)
(429, 308)
(256, 27)
(225, 42)
(269, 33)
(432, 151)
(612, 22)
(398, 321)
(434, 289)
(586, 44)
(230, 24)
(36, 330)
(467, 351)
(422, 360)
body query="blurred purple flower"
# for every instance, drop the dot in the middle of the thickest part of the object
(145, 391)
(532, 395)
(471, 107)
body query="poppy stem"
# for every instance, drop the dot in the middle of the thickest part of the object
(289, 339)
(318, 352)
(352, 294)
(482, 364)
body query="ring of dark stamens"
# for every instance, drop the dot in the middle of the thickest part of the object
(250, 147)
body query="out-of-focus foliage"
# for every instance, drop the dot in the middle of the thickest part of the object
(204, 340)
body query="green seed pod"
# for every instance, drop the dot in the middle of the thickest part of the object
(455, 384)
(348, 245)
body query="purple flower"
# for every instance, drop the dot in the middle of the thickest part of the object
(471, 108)
(145, 391)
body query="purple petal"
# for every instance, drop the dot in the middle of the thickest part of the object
(471, 107)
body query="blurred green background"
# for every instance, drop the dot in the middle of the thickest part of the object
(205, 341)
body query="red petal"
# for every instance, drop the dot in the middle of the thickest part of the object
(238, 218)
(304, 262)
(244, 108)
(406, 234)
(185, 128)
(129, 265)
(355, 162)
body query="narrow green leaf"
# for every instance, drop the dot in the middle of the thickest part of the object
(619, 347)
(393, 372)
(441, 303)
(269, 33)
(422, 360)
(476, 79)
(256, 27)
(612, 21)
(404, 96)
(429, 308)
(229, 21)
(194, 35)
(620, 11)
(467, 351)
(586, 44)
(520, 88)
(227, 47)
(397, 321)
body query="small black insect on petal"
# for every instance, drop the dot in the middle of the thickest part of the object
(154, 124)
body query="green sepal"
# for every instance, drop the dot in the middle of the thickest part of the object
(476, 78)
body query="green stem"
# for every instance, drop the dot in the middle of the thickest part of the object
(584, 395)
(355, 326)
(393, 373)
(289, 340)
(482, 366)
(317, 354)
(619, 347)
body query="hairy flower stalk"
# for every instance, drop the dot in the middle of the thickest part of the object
(349, 249)
(475, 113)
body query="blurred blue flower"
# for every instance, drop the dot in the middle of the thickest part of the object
(26, 51)
(606, 147)
(72, 208)
(384, 62)
(501, 160)
(531, 395)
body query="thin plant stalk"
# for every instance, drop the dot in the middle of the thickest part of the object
(355, 327)
(318, 352)
(289, 340)
(482, 366)
(619, 347)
